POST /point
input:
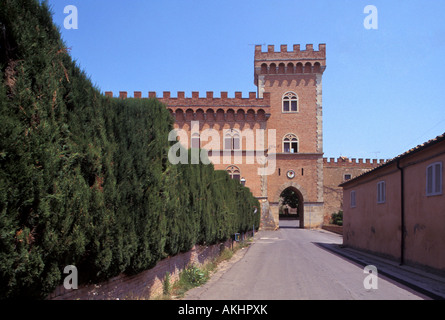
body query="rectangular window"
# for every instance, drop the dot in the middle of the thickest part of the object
(294, 106)
(434, 179)
(286, 106)
(381, 192)
(286, 147)
(236, 143)
(228, 143)
(347, 177)
(429, 180)
(353, 204)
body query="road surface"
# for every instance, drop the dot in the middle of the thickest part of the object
(289, 264)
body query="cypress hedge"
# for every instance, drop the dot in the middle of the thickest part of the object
(85, 179)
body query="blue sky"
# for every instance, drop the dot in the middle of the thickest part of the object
(383, 90)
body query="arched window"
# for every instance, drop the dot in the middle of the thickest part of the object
(290, 102)
(232, 140)
(234, 172)
(290, 143)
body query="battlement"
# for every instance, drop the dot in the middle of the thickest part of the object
(353, 162)
(197, 100)
(296, 48)
(297, 61)
(295, 54)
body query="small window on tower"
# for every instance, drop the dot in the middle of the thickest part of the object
(290, 102)
(290, 143)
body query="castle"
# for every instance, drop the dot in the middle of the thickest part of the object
(272, 140)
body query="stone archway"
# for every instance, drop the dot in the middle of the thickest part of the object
(284, 186)
(291, 206)
(301, 195)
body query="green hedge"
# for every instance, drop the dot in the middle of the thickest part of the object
(85, 179)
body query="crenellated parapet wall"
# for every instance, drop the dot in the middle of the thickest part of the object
(210, 108)
(197, 100)
(296, 53)
(352, 163)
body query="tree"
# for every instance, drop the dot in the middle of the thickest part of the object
(290, 197)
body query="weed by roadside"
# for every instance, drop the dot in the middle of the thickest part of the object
(194, 275)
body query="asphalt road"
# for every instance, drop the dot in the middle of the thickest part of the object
(289, 264)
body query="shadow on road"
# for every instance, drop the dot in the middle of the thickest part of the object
(333, 248)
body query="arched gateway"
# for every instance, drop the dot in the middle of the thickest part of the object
(291, 206)
(290, 195)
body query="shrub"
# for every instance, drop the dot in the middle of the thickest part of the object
(337, 218)
(194, 275)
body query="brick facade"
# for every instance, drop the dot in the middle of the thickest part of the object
(296, 74)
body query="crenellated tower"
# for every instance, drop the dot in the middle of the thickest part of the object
(293, 82)
(287, 63)
(297, 73)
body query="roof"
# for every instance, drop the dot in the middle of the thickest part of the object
(410, 152)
